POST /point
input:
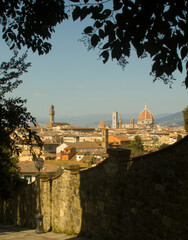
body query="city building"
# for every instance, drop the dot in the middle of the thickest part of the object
(66, 154)
(104, 133)
(80, 146)
(52, 122)
(28, 171)
(102, 124)
(114, 119)
(145, 118)
(116, 141)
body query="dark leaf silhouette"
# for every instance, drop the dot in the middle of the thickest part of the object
(94, 40)
(14, 122)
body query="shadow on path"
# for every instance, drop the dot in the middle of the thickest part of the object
(9, 232)
(11, 228)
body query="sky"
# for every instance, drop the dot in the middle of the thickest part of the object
(77, 82)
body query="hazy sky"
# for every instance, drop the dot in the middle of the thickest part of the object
(77, 83)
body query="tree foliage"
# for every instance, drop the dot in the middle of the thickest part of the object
(185, 114)
(14, 121)
(156, 28)
(137, 144)
(163, 145)
(8, 172)
(30, 23)
(179, 137)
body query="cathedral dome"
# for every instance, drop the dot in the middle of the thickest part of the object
(145, 117)
(102, 124)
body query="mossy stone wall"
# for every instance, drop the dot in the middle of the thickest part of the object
(121, 198)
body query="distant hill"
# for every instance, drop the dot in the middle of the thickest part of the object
(165, 119)
(90, 120)
(175, 119)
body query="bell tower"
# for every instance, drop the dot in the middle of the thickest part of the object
(114, 119)
(120, 122)
(104, 132)
(52, 114)
(132, 123)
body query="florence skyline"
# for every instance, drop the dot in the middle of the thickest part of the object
(77, 83)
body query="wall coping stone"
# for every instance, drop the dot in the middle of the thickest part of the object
(71, 166)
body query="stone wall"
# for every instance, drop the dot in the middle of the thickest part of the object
(121, 198)
(60, 203)
(144, 198)
(66, 211)
(21, 208)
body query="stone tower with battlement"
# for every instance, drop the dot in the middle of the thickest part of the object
(52, 114)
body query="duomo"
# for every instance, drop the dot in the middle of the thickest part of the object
(145, 120)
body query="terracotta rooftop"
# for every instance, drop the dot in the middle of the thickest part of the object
(102, 124)
(29, 167)
(121, 137)
(145, 114)
(86, 145)
(68, 148)
(75, 127)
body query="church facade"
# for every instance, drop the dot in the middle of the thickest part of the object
(145, 120)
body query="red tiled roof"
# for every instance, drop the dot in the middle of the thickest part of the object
(85, 145)
(29, 167)
(145, 114)
(102, 124)
(121, 137)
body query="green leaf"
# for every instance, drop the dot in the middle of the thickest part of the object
(109, 27)
(101, 33)
(119, 33)
(98, 24)
(106, 13)
(4, 35)
(76, 13)
(186, 81)
(117, 4)
(94, 40)
(140, 50)
(95, 13)
(88, 30)
(74, 1)
(116, 50)
(180, 68)
(11, 35)
(112, 36)
(13, 45)
(106, 45)
(83, 13)
(155, 66)
(105, 55)
(184, 52)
